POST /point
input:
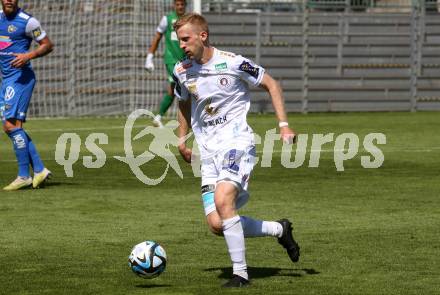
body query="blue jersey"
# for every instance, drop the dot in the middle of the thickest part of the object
(16, 35)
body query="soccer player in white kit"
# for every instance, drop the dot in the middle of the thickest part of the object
(213, 93)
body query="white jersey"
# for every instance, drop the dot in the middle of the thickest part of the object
(220, 100)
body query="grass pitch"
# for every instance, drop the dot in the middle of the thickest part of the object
(361, 231)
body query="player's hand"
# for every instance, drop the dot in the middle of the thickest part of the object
(185, 153)
(20, 60)
(149, 65)
(288, 135)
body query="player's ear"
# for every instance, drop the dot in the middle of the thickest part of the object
(204, 36)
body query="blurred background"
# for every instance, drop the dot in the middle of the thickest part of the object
(328, 55)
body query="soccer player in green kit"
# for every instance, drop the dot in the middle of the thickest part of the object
(173, 53)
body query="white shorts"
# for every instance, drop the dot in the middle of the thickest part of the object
(234, 166)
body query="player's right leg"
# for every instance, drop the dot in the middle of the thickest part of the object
(287, 241)
(13, 128)
(224, 221)
(15, 100)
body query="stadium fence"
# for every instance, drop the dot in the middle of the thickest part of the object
(97, 67)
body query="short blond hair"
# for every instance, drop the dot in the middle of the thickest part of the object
(193, 19)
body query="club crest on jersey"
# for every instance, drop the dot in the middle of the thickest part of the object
(250, 69)
(224, 82)
(210, 109)
(12, 29)
(5, 42)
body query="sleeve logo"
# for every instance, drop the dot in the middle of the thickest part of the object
(250, 69)
(36, 32)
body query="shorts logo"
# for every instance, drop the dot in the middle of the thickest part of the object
(250, 69)
(232, 160)
(12, 29)
(9, 94)
(36, 32)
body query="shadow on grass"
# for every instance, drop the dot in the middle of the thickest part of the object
(152, 286)
(263, 272)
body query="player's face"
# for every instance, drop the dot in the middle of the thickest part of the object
(191, 41)
(180, 7)
(9, 6)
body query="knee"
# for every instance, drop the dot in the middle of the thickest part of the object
(8, 128)
(215, 223)
(10, 125)
(216, 229)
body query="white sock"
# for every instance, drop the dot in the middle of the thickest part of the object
(259, 228)
(234, 237)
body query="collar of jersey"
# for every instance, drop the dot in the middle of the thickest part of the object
(209, 61)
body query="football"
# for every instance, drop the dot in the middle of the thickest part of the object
(147, 259)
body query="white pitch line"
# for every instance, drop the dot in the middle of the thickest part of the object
(80, 129)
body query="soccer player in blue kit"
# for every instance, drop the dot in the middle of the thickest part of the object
(17, 30)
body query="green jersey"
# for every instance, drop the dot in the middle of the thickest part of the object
(173, 53)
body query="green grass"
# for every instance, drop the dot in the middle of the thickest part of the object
(362, 231)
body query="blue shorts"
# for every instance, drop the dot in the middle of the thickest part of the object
(15, 95)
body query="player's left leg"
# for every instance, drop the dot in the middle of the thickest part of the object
(225, 197)
(235, 169)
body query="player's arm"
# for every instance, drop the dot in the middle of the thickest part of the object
(149, 65)
(161, 29)
(276, 93)
(45, 46)
(184, 118)
(155, 43)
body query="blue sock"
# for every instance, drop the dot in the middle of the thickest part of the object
(37, 164)
(21, 143)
